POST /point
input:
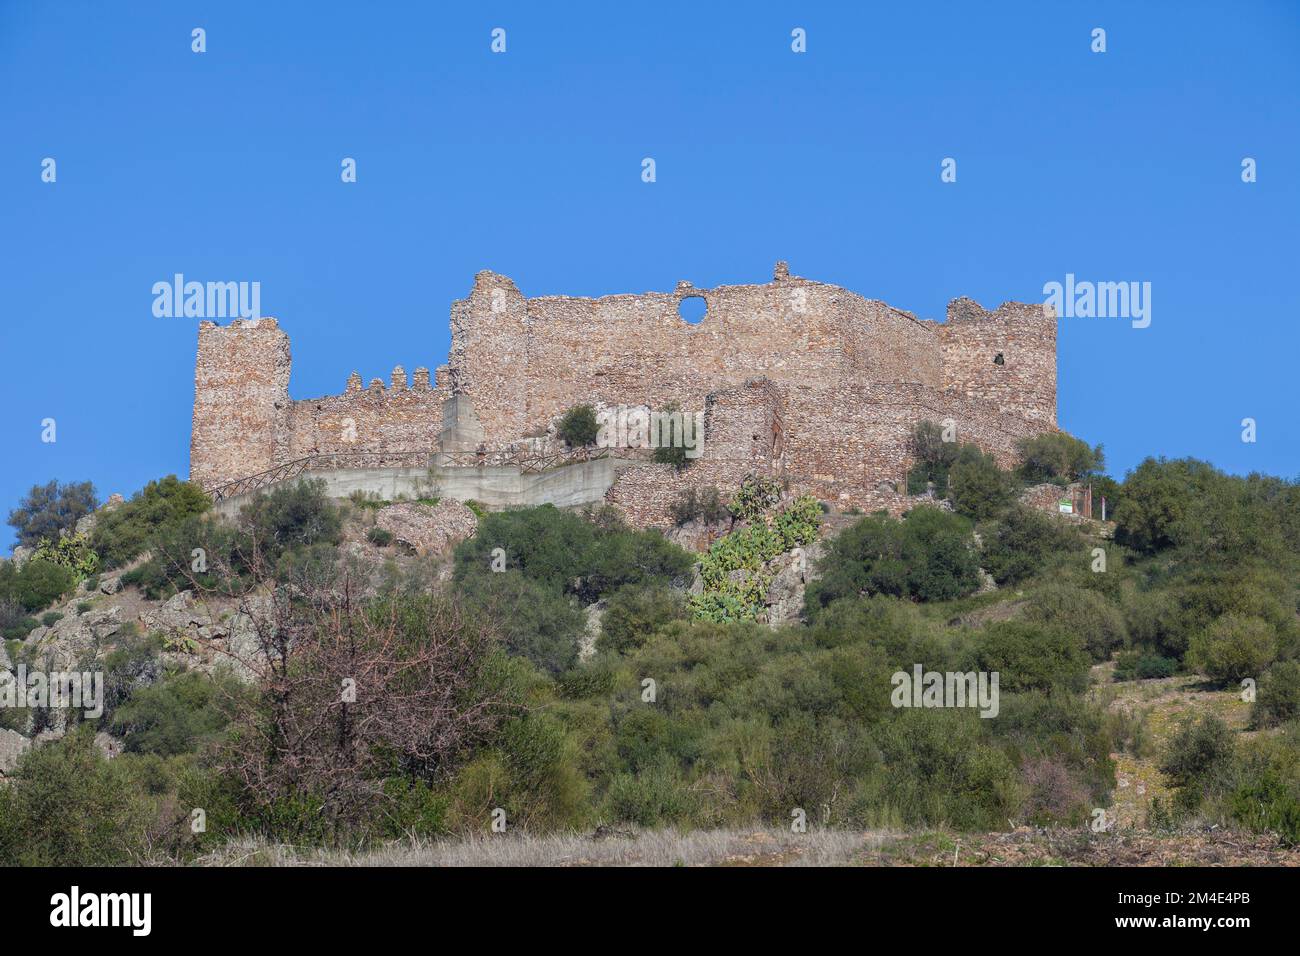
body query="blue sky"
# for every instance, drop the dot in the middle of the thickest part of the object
(1123, 165)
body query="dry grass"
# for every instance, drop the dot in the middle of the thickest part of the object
(770, 847)
(756, 847)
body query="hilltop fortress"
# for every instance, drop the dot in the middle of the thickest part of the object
(796, 379)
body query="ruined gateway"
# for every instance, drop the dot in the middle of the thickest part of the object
(803, 381)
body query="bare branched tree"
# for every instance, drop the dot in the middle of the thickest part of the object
(349, 690)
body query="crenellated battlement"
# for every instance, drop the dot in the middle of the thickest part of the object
(840, 372)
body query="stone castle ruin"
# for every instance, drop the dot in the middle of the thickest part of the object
(798, 380)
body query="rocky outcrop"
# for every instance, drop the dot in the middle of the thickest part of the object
(233, 631)
(792, 573)
(86, 524)
(75, 637)
(591, 633)
(12, 746)
(108, 745)
(425, 529)
(697, 534)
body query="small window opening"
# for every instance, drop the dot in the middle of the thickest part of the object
(692, 309)
(999, 360)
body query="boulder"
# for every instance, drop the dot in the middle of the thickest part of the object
(697, 534)
(104, 622)
(12, 746)
(108, 745)
(791, 573)
(177, 613)
(785, 594)
(591, 633)
(431, 530)
(111, 585)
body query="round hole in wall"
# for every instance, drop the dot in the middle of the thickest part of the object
(692, 309)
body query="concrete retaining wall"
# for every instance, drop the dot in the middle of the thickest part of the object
(501, 487)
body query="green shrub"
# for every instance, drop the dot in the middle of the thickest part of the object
(1200, 759)
(1278, 695)
(292, 516)
(19, 629)
(928, 556)
(198, 550)
(596, 678)
(934, 458)
(566, 552)
(1022, 541)
(1213, 517)
(530, 774)
(71, 551)
(135, 663)
(1233, 647)
(578, 426)
(1085, 614)
(920, 476)
(978, 488)
(938, 766)
(379, 536)
(653, 797)
(930, 448)
(174, 716)
(1185, 604)
(1104, 486)
(51, 510)
(415, 809)
(1056, 456)
(635, 612)
(1143, 665)
(15, 622)
(1031, 656)
(68, 806)
(35, 585)
(125, 532)
(1268, 803)
(536, 622)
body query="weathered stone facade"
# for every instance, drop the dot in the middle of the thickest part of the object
(798, 379)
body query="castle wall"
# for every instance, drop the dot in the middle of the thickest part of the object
(849, 444)
(1024, 335)
(241, 400)
(525, 361)
(397, 416)
(797, 378)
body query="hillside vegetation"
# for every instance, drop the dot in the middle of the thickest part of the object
(562, 672)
